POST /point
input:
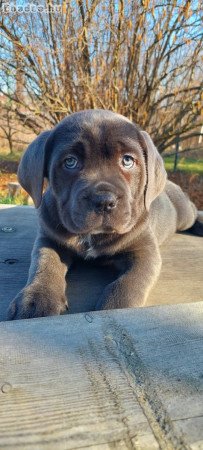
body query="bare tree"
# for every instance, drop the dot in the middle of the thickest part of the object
(7, 126)
(141, 58)
(12, 130)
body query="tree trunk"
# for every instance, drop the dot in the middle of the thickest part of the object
(176, 154)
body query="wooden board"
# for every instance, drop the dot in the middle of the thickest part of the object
(181, 278)
(130, 379)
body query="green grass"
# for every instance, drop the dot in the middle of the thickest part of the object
(10, 156)
(8, 200)
(188, 165)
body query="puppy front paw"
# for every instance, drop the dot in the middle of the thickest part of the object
(33, 302)
(110, 298)
(120, 294)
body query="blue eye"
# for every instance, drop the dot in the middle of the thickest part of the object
(128, 161)
(71, 162)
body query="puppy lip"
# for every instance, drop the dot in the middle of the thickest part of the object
(100, 224)
(94, 232)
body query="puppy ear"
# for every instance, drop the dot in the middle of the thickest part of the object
(31, 170)
(156, 173)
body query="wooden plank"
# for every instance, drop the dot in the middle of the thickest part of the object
(180, 280)
(106, 380)
(18, 227)
(181, 277)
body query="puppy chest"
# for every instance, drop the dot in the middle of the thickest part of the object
(85, 247)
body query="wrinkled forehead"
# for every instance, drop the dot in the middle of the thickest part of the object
(97, 127)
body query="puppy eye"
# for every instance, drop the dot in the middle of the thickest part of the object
(71, 162)
(128, 161)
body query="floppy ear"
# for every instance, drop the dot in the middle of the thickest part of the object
(156, 173)
(31, 170)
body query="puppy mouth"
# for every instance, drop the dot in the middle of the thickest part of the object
(101, 224)
(103, 230)
(79, 219)
(94, 224)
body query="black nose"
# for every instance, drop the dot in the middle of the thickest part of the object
(104, 201)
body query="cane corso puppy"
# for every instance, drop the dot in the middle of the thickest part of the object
(107, 198)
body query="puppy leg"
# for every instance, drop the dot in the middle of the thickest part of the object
(44, 293)
(142, 268)
(186, 210)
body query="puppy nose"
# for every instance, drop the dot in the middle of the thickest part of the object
(104, 201)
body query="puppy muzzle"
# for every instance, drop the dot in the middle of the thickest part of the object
(97, 208)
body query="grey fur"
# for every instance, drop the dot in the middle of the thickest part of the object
(99, 210)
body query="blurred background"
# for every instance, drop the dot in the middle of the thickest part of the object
(143, 59)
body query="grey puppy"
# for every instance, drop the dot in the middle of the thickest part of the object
(107, 198)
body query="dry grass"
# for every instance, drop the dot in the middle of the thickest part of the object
(192, 184)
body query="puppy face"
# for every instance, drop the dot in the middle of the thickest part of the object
(97, 165)
(97, 174)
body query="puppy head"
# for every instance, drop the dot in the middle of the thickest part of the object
(102, 170)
